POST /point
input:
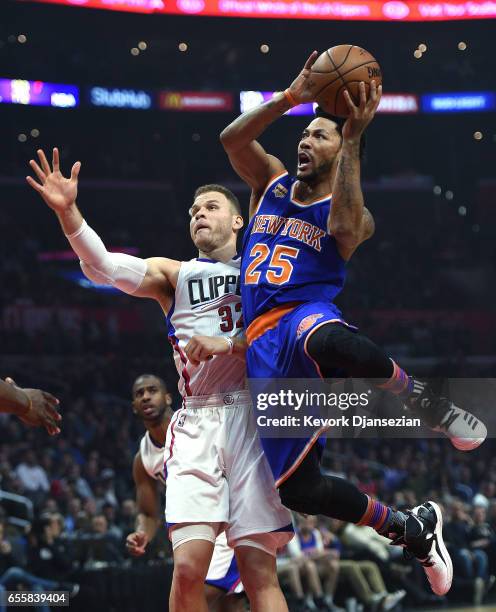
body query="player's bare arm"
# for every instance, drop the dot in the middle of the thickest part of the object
(203, 348)
(346, 219)
(152, 278)
(34, 407)
(247, 156)
(148, 519)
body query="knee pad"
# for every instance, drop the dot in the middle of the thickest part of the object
(180, 534)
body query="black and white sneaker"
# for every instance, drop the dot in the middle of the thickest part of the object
(465, 430)
(423, 539)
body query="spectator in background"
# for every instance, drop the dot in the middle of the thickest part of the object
(368, 585)
(482, 538)
(109, 511)
(128, 516)
(32, 476)
(48, 561)
(468, 562)
(107, 481)
(326, 561)
(289, 572)
(101, 546)
(74, 508)
(77, 482)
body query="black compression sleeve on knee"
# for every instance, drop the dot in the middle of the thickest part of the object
(310, 492)
(334, 346)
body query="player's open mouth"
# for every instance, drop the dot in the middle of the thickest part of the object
(148, 410)
(200, 227)
(303, 160)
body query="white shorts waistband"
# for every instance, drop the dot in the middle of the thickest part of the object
(232, 398)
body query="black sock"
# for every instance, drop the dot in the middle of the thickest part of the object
(310, 492)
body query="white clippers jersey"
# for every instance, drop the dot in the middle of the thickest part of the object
(152, 457)
(207, 303)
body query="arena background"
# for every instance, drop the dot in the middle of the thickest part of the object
(422, 287)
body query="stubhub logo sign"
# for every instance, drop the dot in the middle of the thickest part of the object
(120, 98)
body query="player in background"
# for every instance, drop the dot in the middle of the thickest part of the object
(215, 466)
(293, 266)
(152, 404)
(34, 407)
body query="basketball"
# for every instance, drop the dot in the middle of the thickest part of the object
(339, 68)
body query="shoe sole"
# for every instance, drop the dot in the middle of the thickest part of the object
(444, 551)
(467, 444)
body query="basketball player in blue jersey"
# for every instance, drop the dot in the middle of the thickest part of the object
(293, 266)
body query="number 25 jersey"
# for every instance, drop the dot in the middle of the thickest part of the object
(288, 255)
(207, 302)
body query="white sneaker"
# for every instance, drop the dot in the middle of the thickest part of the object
(423, 539)
(465, 430)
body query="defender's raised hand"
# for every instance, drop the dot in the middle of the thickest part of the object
(57, 191)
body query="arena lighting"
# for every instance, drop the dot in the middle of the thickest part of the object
(206, 101)
(390, 103)
(120, 98)
(38, 93)
(459, 102)
(361, 10)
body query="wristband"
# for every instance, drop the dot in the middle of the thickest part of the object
(231, 345)
(289, 98)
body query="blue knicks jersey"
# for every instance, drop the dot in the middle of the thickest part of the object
(287, 255)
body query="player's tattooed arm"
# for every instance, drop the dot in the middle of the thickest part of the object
(368, 225)
(239, 139)
(348, 222)
(148, 519)
(155, 277)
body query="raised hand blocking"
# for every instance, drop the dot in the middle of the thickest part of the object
(58, 192)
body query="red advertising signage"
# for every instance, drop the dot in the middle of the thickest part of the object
(365, 10)
(207, 101)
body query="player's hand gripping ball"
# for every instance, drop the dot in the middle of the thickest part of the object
(339, 69)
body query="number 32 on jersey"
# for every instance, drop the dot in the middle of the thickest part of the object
(280, 265)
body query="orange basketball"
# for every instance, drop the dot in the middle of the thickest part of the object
(339, 68)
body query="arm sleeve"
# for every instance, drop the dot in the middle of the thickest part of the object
(120, 270)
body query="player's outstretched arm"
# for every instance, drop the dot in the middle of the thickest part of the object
(239, 139)
(34, 407)
(153, 278)
(148, 519)
(349, 221)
